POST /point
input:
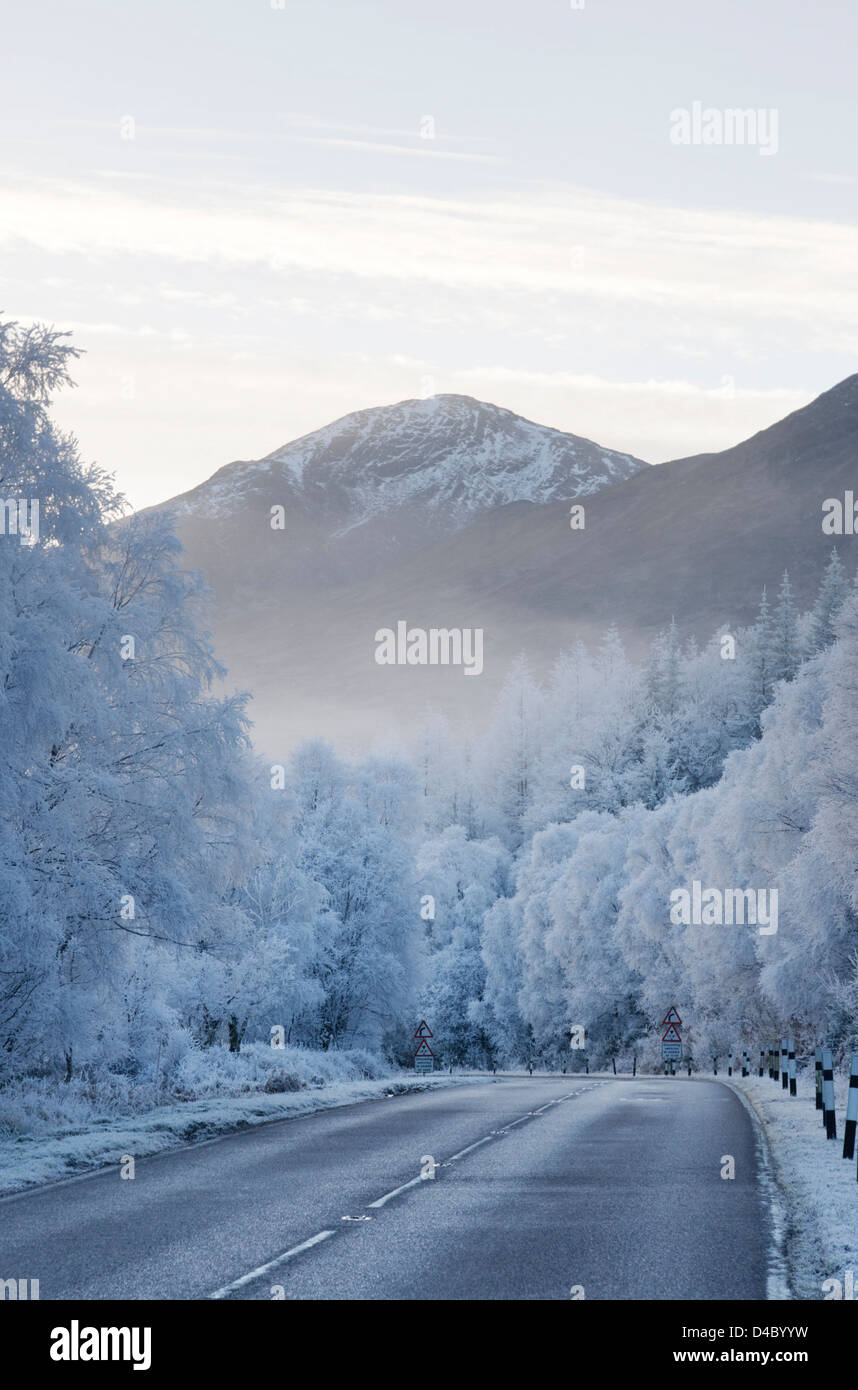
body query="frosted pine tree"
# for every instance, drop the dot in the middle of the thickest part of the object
(785, 647)
(833, 591)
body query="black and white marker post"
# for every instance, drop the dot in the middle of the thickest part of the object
(792, 1076)
(762, 1061)
(730, 1062)
(828, 1094)
(851, 1111)
(784, 1074)
(817, 1058)
(746, 1062)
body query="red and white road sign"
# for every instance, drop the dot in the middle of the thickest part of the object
(671, 1035)
(424, 1031)
(424, 1050)
(671, 1017)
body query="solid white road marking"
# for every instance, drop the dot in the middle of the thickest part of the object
(272, 1264)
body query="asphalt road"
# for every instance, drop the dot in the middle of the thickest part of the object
(543, 1186)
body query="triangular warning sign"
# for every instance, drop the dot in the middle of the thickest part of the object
(424, 1050)
(671, 1017)
(424, 1031)
(671, 1035)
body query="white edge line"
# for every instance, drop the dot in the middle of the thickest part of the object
(272, 1264)
(778, 1280)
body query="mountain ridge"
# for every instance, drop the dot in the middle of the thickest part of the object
(450, 453)
(296, 610)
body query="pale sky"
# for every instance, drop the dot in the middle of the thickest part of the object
(339, 204)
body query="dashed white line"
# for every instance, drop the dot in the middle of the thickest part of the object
(495, 1134)
(396, 1191)
(272, 1264)
(462, 1152)
(380, 1202)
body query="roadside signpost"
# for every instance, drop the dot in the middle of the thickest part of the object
(671, 1039)
(424, 1057)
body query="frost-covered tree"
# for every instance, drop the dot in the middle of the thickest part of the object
(807, 966)
(833, 591)
(463, 878)
(500, 1014)
(601, 991)
(786, 653)
(356, 828)
(664, 674)
(124, 792)
(507, 756)
(760, 661)
(541, 998)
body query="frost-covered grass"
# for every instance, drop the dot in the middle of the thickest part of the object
(820, 1185)
(33, 1106)
(50, 1130)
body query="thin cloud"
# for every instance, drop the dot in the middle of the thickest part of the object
(424, 150)
(577, 245)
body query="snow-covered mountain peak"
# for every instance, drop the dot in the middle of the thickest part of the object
(447, 454)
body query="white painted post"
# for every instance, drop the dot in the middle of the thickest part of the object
(851, 1110)
(828, 1094)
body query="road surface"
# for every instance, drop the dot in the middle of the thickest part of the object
(545, 1188)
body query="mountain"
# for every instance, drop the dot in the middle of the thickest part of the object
(374, 493)
(452, 513)
(451, 455)
(382, 483)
